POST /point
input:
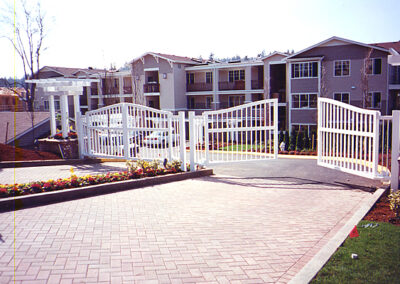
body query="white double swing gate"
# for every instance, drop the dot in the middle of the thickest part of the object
(130, 131)
(350, 139)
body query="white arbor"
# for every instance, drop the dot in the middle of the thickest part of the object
(62, 87)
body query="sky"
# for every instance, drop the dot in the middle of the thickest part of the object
(98, 33)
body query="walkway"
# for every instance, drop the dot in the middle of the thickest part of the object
(217, 229)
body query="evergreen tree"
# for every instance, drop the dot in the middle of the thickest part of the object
(292, 140)
(280, 137)
(286, 139)
(299, 141)
(306, 141)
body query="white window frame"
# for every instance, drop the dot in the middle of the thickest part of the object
(372, 100)
(189, 80)
(210, 77)
(308, 100)
(373, 65)
(301, 70)
(308, 127)
(240, 98)
(341, 96)
(241, 75)
(341, 69)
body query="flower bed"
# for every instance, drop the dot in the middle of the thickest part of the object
(136, 170)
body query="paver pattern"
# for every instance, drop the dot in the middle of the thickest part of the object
(213, 230)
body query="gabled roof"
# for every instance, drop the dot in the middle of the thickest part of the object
(173, 58)
(337, 41)
(274, 54)
(388, 45)
(70, 72)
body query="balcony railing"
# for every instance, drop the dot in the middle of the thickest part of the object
(110, 90)
(257, 84)
(199, 87)
(128, 90)
(199, 106)
(151, 88)
(226, 86)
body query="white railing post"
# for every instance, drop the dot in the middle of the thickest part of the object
(182, 140)
(79, 130)
(89, 134)
(319, 130)
(375, 149)
(206, 140)
(276, 141)
(125, 136)
(170, 144)
(192, 137)
(395, 150)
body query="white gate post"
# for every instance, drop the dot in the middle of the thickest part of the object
(125, 136)
(64, 115)
(192, 137)
(395, 150)
(89, 134)
(170, 137)
(182, 140)
(275, 104)
(79, 130)
(206, 140)
(53, 127)
(319, 130)
(375, 149)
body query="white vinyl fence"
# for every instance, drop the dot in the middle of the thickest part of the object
(247, 132)
(130, 131)
(353, 140)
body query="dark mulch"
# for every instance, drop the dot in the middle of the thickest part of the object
(10, 153)
(381, 212)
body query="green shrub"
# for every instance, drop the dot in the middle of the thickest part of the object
(299, 141)
(292, 140)
(394, 200)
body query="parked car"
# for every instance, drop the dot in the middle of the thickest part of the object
(160, 139)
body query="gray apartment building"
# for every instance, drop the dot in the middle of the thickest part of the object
(342, 69)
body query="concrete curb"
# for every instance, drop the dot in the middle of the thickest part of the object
(34, 200)
(308, 272)
(24, 164)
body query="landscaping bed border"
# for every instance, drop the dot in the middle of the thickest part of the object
(45, 198)
(38, 163)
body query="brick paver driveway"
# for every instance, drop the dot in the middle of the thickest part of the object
(215, 230)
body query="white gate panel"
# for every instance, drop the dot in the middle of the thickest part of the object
(349, 139)
(130, 131)
(242, 133)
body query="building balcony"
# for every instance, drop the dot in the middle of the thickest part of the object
(257, 84)
(128, 90)
(199, 87)
(227, 86)
(151, 88)
(110, 90)
(199, 106)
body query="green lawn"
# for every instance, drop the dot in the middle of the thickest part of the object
(378, 260)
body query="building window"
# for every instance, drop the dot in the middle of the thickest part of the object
(115, 83)
(311, 129)
(374, 100)
(373, 66)
(305, 70)
(46, 105)
(236, 75)
(342, 97)
(304, 101)
(57, 104)
(235, 100)
(189, 78)
(209, 77)
(209, 102)
(342, 68)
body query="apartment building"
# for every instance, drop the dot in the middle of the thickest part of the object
(342, 69)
